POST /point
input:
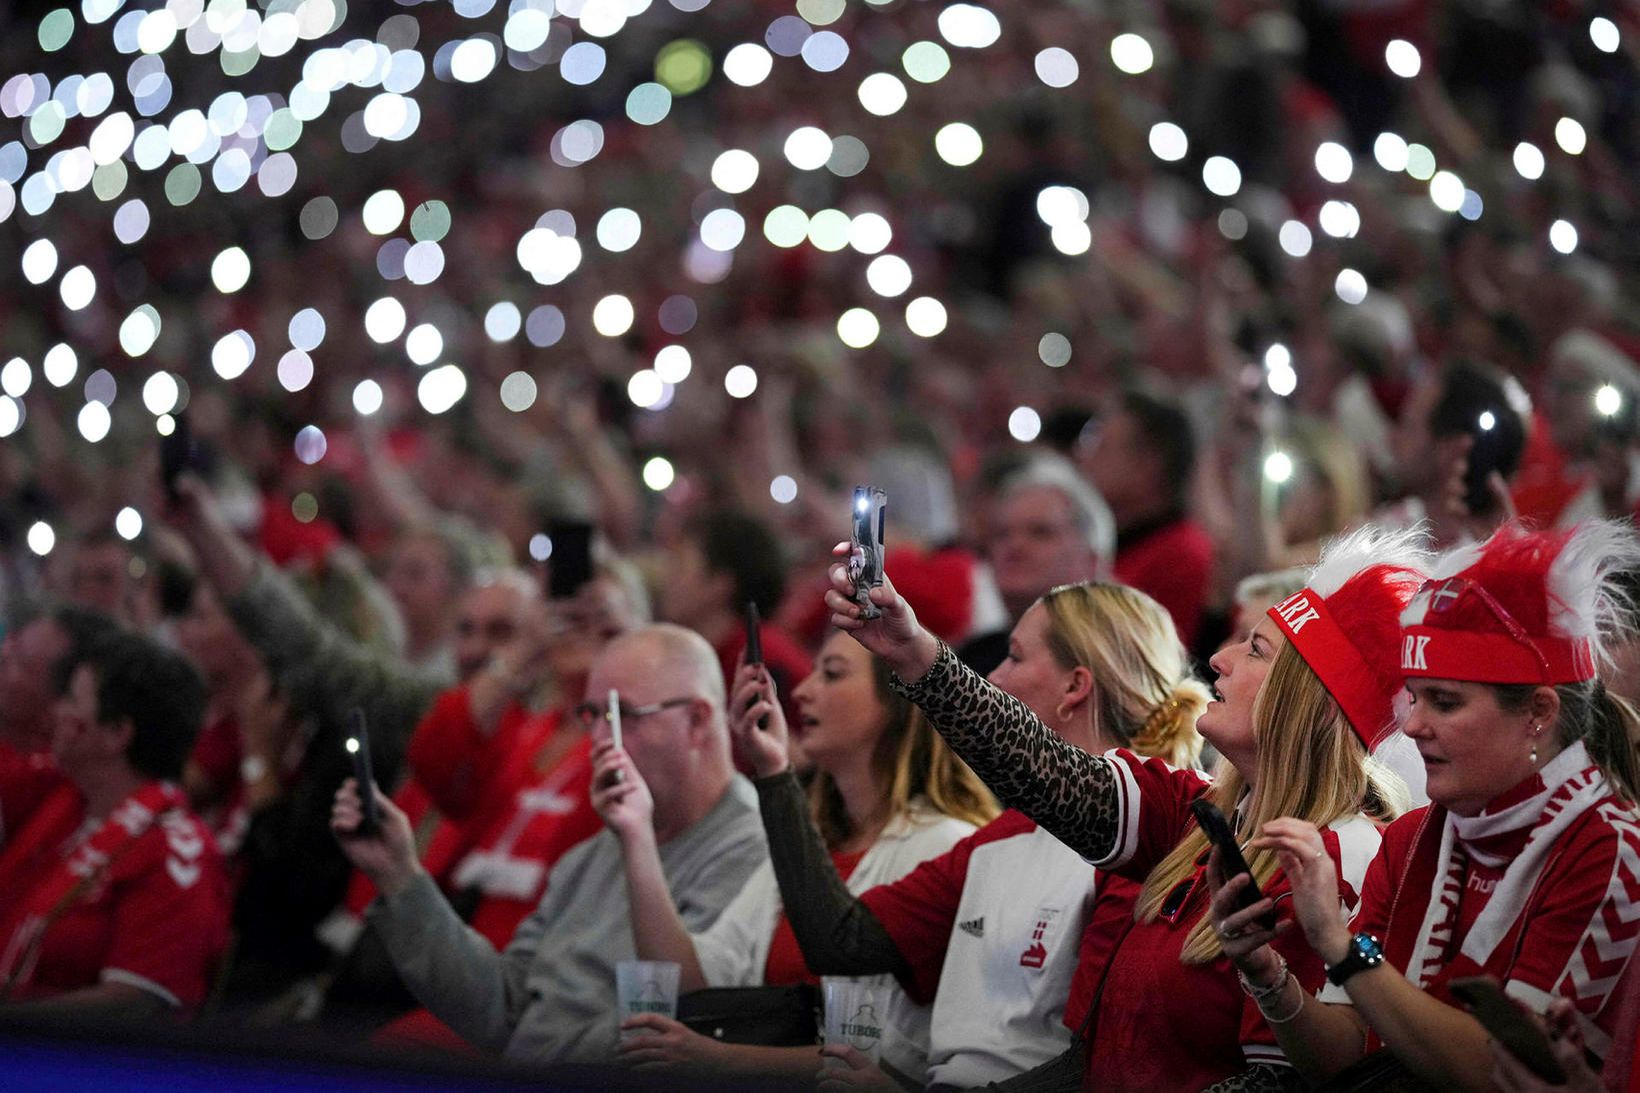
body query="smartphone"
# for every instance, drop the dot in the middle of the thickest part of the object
(570, 564)
(1218, 832)
(619, 776)
(1509, 1025)
(754, 635)
(177, 453)
(1485, 456)
(865, 560)
(358, 746)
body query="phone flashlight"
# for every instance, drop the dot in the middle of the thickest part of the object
(1487, 421)
(1608, 400)
(1278, 467)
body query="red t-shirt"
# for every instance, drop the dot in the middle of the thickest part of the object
(1571, 936)
(1171, 565)
(786, 965)
(1136, 1040)
(156, 918)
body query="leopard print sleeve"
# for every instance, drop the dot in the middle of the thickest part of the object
(1260, 1078)
(1073, 795)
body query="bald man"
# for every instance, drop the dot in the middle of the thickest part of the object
(550, 996)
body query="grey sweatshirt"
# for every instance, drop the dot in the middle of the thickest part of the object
(551, 995)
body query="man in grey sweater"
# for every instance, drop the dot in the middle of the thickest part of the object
(550, 996)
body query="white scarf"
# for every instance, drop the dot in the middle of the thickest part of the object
(1571, 785)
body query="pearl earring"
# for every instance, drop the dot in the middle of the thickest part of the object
(1537, 730)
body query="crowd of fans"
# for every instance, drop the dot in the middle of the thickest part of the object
(1259, 542)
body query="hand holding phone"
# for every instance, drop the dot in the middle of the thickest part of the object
(358, 746)
(1509, 1025)
(1217, 829)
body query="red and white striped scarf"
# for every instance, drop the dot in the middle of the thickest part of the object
(1567, 787)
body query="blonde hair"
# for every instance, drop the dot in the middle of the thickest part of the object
(915, 762)
(1311, 766)
(1147, 699)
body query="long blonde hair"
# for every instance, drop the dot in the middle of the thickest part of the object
(1147, 698)
(915, 762)
(1311, 766)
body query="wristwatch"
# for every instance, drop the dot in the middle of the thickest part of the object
(1364, 952)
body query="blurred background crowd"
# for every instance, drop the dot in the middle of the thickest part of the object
(1161, 291)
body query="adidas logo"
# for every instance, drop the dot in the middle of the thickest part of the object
(974, 927)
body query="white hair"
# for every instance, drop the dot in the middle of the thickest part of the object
(1088, 509)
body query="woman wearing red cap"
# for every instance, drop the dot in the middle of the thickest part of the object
(1300, 703)
(1526, 866)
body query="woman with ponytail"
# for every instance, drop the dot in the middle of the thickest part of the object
(989, 931)
(1300, 704)
(1526, 866)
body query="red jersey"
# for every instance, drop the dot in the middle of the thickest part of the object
(1171, 564)
(1151, 994)
(138, 898)
(1563, 923)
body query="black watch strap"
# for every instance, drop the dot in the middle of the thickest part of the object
(1365, 952)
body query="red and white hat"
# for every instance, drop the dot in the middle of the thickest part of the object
(1346, 622)
(1521, 607)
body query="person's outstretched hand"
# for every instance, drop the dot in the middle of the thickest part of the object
(386, 855)
(757, 724)
(895, 635)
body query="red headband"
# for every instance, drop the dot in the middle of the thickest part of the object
(1341, 667)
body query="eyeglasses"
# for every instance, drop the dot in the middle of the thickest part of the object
(589, 714)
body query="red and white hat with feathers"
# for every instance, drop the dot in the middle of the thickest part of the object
(1346, 622)
(1522, 607)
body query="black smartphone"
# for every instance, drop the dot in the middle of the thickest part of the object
(1485, 456)
(358, 746)
(1218, 832)
(754, 635)
(1509, 1025)
(868, 514)
(570, 563)
(177, 453)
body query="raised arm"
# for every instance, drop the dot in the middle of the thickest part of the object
(1074, 795)
(836, 931)
(622, 799)
(324, 670)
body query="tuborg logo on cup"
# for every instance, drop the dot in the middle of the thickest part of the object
(864, 1029)
(650, 1000)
